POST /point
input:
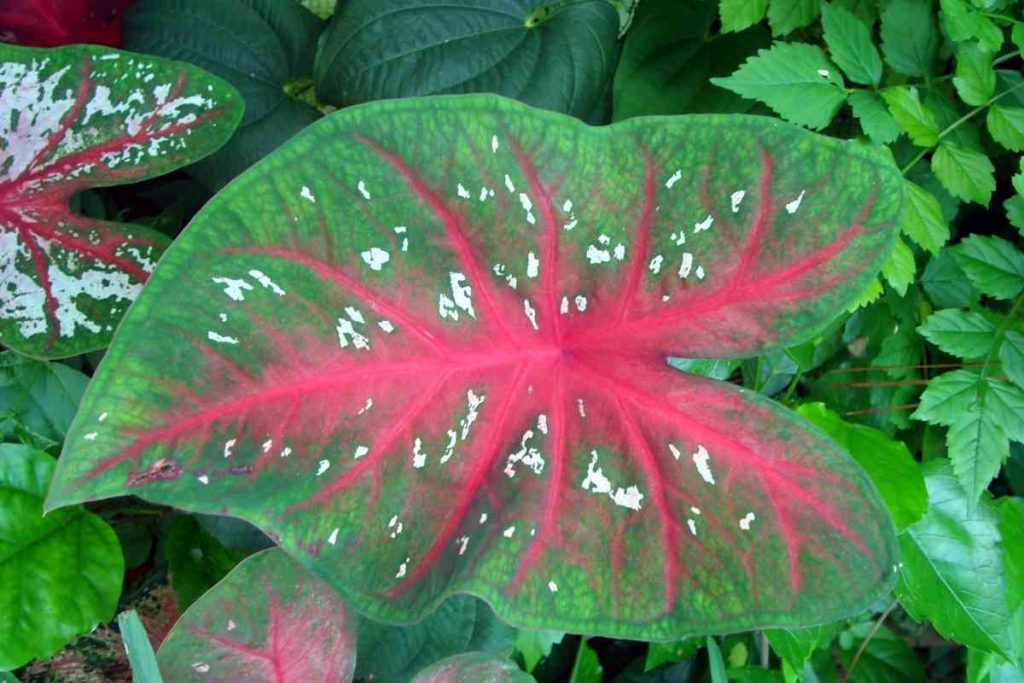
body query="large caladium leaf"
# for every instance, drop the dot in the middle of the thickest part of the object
(80, 117)
(423, 345)
(268, 620)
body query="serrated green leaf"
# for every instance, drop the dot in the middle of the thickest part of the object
(849, 44)
(963, 23)
(785, 16)
(899, 269)
(922, 219)
(910, 37)
(795, 79)
(868, 295)
(985, 667)
(1011, 355)
(875, 119)
(946, 284)
(37, 396)
(886, 658)
(992, 264)
(1014, 207)
(967, 173)
(949, 397)
(959, 333)
(737, 15)
(977, 446)
(1006, 125)
(975, 79)
(912, 115)
(60, 575)
(668, 58)
(795, 647)
(947, 557)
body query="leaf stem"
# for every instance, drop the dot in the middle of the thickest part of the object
(867, 639)
(960, 121)
(999, 334)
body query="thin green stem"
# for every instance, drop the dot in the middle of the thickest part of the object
(797, 376)
(999, 334)
(959, 122)
(867, 639)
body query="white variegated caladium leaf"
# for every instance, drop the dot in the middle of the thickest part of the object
(74, 118)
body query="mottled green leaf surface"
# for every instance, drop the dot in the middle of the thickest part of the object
(37, 399)
(472, 667)
(269, 620)
(435, 338)
(60, 575)
(74, 118)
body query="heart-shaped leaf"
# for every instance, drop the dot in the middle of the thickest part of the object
(551, 54)
(268, 620)
(424, 344)
(80, 117)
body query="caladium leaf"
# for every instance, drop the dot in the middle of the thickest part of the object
(445, 357)
(80, 117)
(269, 620)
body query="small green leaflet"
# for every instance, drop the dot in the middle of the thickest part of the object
(740, 14)
(992, 264)
(849, 42)
(785, 16)
(875, 119)
(945, 283)
(966, 173)
(37, 399)
(946, 556)
(1006, 125)
(962, 334)
(1011, 355)
(795, 79)
(899, 269)
(910, 37)
(79, 117)
(912, 115)
(962, 23)
(922, 219)
(975, 79)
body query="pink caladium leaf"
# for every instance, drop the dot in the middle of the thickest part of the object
(270, 620)
(75, 118)
(424, 346)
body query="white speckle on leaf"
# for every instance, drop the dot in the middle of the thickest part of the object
(494, 143)
(461, 298)
(266, 282)
(220, 338)
(102, 417)
(333, 538)
(203, 479)
(234, 289)
(231, 625)
(527, 205)
(362, 190)
(402, 569)
(483, 517)
(747, 520)
(596, 255)
(306, 193)
(567, 206)
(91, 436)
(581, 303)
(793, 206)
(597, 482)
(735, 198)
(700, 460)
(419, 456)
(686, 265)
(552, 586)
(201, 667)
(673, 179)
(531, 314)
(563, 307)
(619, 252)
(360, 452)
(386, 325)
(695, 510)
(527, 454)
(532, 265)
(285, 452)
(366, 407)
(693, 526)
(507, 533)
(462, 542)
(508, 184)
(347, 334)
(355, 315)
(462, 191)
(676, 453)
(375, 257)
(267, 445)
(655, 265)
(824, 73)
(228, 445)
(581, 408)
(542, 423)
(699, 272)
(322, 467)
(704, 224)
(679, 238)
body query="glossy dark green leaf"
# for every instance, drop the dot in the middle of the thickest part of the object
(795, 647)
(922, 219)
(875, 119)
(269, 620)
(945, 282)
(885, 659)
(963, 334)
(849, 43)
(557, 56)
(785, 16)
(910, 36)
(259, 46)
(993, 265)
(967, 173)
(196, 561)
(668, 58)
(389, 653)
(60, 575)
(738, 15)
(975, 79)
(1011, 355)
(952, 573)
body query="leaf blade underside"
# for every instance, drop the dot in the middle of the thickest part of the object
(524, 443)
(74, 118)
